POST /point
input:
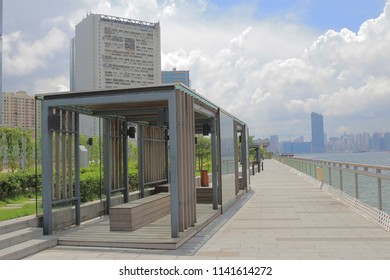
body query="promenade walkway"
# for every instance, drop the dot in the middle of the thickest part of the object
(284, 216)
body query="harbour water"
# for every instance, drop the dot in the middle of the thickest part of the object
(368, 186)
(374, 158)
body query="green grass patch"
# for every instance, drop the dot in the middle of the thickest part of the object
(26, 210)
(17, 200)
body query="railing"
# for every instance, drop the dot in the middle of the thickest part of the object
(358, 184)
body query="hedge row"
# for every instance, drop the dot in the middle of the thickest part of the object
(17, 184)
(90, 186)
(23, 184)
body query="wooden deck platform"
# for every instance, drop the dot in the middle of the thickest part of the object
(156, 235)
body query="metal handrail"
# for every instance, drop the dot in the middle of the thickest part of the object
(312, 166)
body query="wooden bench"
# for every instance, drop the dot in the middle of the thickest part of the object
(204, 195)
(162, 188)
(138, 213)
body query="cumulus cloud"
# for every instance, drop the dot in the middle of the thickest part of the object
(271, 73)
(54, 84)
(22, 57)
(343, 75)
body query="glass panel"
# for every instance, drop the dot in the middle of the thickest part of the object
(227, 160)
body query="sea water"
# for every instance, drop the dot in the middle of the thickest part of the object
(368, 186)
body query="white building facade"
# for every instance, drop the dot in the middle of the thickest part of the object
(110, 52)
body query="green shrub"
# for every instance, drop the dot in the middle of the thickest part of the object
(23, 184)
(133, 182)
(89, 186)
(17, 184)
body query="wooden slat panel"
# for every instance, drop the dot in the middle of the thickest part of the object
(63, 156)
(179, 132)
(70, 153)
(154, 154)
(186, 160)
(57, 166)
(191, 151)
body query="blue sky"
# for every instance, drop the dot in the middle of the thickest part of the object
(270, 62)
(319, 14)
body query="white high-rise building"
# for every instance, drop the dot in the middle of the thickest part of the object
(111, 52)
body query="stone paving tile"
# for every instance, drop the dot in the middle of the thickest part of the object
(285, 216)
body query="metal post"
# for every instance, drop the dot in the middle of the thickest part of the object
(166, 154)
(106, 159)
(141, 177)
(356, 183)
(214, 162)
(378, 171)
(47, 171)
(77, 168)
(341, 178)
(244, 157)
(173, 154)
(125, 164)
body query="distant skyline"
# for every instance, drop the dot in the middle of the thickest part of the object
(271, 63)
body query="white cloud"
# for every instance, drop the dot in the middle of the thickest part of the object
(22, 57)
(169, 9)
(270, 73)
(55, 84)
(342, 75)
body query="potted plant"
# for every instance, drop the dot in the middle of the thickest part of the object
(202, 151)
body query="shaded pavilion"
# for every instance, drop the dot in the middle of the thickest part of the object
(167, 119)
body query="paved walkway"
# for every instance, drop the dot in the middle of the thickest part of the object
(283, 217)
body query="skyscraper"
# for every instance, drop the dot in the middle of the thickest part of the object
(111, 52)
(317, 133)
(274, 145)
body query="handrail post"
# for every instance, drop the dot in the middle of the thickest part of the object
(356, 183)
(378, 171)
(341, 177)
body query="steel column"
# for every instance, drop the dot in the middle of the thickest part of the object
(47, 170)
(141, 163)
(173, 154)
(125, 163)
(77, 167)
(244, 156)
(214, 162)
(106, 162)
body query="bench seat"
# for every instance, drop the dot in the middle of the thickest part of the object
(138, 213)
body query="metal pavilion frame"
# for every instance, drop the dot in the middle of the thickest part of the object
(157, 106)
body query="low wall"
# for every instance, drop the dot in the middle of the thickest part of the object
(64, 218)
